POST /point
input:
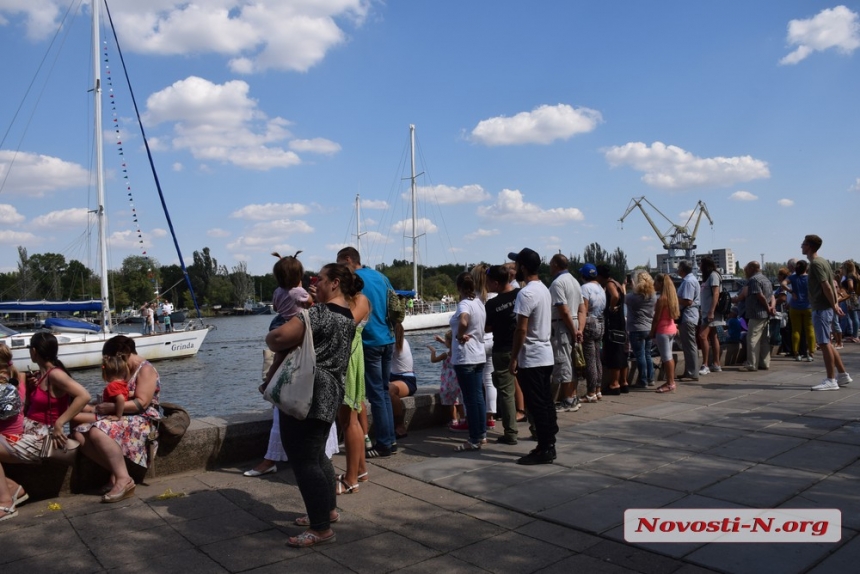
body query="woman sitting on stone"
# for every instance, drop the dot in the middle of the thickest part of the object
(52, 398)
(109, 442)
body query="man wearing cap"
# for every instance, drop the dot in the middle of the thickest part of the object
(531, 355)
(568, 313)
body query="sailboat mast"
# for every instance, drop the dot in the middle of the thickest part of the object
(414, 204)
(99, 161)
(358, 222)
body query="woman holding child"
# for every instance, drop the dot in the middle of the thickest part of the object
(109, 437)
(51, 399)
(333, 327)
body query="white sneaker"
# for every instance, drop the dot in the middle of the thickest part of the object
(826, 385)
(704, 371)
(843, 379)
(715, 368)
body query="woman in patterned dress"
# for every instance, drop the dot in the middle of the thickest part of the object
(333, 327)
(109, 442)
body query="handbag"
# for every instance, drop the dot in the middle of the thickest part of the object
(291, 388)
(10, 401)
(616, 336)
(173, 423)
(578, 356)
(52, 453)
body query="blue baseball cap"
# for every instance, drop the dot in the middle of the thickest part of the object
(589, 271)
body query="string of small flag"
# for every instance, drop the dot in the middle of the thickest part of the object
(120, 152)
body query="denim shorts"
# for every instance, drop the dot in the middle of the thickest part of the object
(664, 345)
(822, 323)
(410, 380)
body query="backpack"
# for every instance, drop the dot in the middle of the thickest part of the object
(396, 311)
(724, 303)
(10, 401)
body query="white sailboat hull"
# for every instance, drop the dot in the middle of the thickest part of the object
(427, 321)
(81, 351)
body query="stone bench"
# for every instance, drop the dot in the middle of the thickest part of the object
(209, 442)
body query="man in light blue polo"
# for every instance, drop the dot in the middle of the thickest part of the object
(689, 302)
(378, 342)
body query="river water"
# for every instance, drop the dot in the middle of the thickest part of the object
(223, 377)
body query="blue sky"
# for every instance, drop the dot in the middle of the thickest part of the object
(536, 123)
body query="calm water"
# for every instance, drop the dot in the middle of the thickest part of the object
(223, 378)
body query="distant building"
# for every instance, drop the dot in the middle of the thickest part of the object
(723, 258)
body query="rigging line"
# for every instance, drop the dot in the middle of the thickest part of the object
(152, 164)
(30, 86)
(426, 172)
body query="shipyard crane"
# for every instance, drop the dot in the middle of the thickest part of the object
(677, 237)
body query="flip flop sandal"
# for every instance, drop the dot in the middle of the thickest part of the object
(305, 521)
(307, 539)
(7, 512)
(343, 487)
(18, 499)
(363, 477)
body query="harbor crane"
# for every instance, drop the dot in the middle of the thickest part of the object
(678, 238)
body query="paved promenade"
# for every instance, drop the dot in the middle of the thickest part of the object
(732, 440)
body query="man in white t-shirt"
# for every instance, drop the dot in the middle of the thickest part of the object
(568, 313)
(531, 355)
(166, 310)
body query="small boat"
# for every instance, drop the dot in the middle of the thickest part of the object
(424, 316)
(71, 325)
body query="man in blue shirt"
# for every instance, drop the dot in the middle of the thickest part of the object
(378, 341)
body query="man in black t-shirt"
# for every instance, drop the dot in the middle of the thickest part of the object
(502, 322)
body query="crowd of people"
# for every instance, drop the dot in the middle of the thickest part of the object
(516, 348)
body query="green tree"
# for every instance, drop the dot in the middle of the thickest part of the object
(138, 277)
(47, 269)
(25, 281)
(79, 282)
(243, 284)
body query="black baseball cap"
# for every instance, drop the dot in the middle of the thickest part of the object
(528, 258)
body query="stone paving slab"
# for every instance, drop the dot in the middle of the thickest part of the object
(730, 440)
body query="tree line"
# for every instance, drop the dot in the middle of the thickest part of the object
(50, 276)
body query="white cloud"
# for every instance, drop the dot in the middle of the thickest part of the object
(786, 202)
(670, 167)
(316, 145)
(35, 175)
(9, 215)
(856, 186)
(221, 122)
(374, 204)
(158, 232)
(646, 238)
(268, 235)
(178, 166)
(543, 125)
(270, 211)
(127, 240)
(422, 226)
(837, 28)
(74, 217)
(447, 195)
(481, 233)
(218, 232)
(253, 36)
(743, 196)
(9, 237)
(510, 207)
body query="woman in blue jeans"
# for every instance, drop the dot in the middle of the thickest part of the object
(640, 315)
(468, 357)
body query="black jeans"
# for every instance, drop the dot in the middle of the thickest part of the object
(535, 384)
(304, 442)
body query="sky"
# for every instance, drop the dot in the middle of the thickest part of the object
(536, 123)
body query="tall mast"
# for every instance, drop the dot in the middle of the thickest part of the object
(414, 203)
(358, 232)
(100, 182)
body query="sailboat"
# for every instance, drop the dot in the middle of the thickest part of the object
(423, 315)
(77, 349)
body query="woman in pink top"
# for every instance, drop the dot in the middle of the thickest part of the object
(663, 327)
(53, 398)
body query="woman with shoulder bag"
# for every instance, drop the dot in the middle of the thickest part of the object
(52, 399)
(332, 327)
(12, 394)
